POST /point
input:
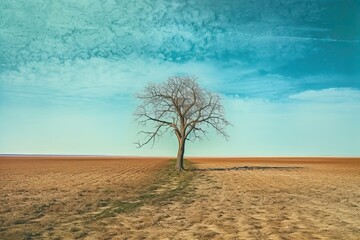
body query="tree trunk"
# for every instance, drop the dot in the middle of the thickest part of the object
(180, 155)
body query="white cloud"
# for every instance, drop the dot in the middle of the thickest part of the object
(330, 95)
(95, 79)
(177, 31)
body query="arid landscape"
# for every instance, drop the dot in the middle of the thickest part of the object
(144, 198)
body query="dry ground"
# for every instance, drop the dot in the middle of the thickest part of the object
(47, 196)
(310, 198)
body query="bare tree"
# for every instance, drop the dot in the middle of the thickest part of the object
(180, 106)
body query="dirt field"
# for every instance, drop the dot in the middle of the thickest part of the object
(47, 196)
(263, 198)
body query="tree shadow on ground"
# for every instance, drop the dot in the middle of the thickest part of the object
(246, 168)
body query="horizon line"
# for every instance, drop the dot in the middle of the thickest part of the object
(162, 156)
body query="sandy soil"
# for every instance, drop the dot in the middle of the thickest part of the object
(268, 199)
(279, 199)
(42, 195)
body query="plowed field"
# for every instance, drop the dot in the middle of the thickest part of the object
(221, 198)
(39, 195)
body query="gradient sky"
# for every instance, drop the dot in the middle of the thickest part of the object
(288, 72)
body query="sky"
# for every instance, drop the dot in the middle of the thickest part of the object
(288, 72)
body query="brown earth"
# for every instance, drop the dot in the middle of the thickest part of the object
(47, 195)
(227, 198)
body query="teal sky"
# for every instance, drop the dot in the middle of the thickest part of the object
(288, 72)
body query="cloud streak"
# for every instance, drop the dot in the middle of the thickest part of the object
(330, 95)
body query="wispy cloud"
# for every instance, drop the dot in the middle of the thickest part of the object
(96, 79)
(177, 31)
(330, 95)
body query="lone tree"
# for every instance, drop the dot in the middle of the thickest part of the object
(181, 106)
